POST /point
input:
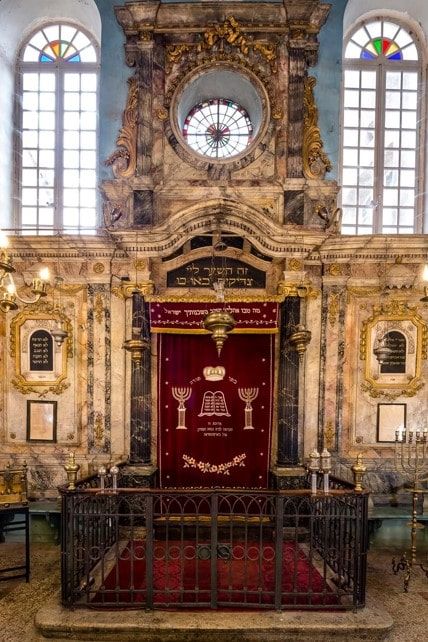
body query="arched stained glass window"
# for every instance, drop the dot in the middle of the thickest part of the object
(59, 43)
(58, 86)
(381, 39)
(381, 111)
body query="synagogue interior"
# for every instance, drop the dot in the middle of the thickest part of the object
(213, 320)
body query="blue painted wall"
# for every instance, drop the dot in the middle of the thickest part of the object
(113, 86)
(328, 73)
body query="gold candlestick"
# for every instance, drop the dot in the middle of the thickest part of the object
(411, 455)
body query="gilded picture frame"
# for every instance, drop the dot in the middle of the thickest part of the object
(396, 370)
(40, 364)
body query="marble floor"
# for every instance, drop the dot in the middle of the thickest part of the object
(20, 601)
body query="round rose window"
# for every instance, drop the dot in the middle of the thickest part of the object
(218, 128)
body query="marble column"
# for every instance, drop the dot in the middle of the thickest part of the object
(288, 388)
(140, 451)
(297, 71)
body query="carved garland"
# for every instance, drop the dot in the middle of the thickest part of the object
(124, 159)
(315, 160)
(231, 33)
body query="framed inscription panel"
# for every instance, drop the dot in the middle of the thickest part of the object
(393, 344)
(390, 418)
(41, 421)
(40, 363)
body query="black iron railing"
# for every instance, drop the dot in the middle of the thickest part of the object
(151, 548)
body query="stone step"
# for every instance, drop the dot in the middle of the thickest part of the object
(54, 621)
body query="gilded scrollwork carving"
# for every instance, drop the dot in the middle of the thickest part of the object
(99, 308)
(124, 160)
(333, 308)
(230, 32)
(99, 427)
(315, 160)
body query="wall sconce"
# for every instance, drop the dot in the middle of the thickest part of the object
(425, 280)
(8, 293)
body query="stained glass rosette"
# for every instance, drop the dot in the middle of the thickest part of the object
(218, 128)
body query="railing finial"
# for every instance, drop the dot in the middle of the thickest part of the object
(71, 468)
(358, 470)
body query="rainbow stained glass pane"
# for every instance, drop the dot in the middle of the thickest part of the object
(69, 45)
(398, 47)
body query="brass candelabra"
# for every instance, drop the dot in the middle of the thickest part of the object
(411, 456)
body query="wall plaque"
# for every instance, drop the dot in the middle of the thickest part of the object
(40, 364)
(203, 273)
(41, 351)
(397, 370)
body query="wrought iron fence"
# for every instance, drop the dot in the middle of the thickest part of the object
(150, 548)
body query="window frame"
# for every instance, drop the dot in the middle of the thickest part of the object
(381, 67)
(60, 69)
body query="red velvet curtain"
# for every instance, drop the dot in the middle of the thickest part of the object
(215, 415)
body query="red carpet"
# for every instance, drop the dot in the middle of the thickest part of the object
(182, 576)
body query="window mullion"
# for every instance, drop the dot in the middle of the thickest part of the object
(59, 146)
(379, 150)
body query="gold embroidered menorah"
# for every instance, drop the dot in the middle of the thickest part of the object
(248, 395)
(181, 395)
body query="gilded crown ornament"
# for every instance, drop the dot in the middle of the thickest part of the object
(214, 373)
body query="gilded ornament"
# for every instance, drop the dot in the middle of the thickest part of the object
(362, 292)
(333, 308)
(398, 317)
(295, 265)
(409, 391)
(174, 53)
(329, 435)
(99, 308)
(99, 427)
(277, 113)
(125, 291)
(162, 113)
(303, 291)
(26, 388)
(124, 159)
(229, 32)
(315, 160)
(99, 268)
(335, 269)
